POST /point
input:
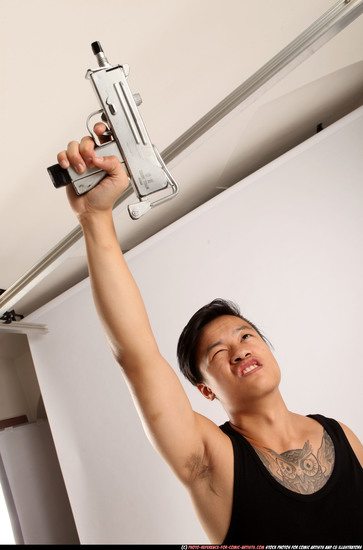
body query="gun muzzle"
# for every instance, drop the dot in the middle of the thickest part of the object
(100, 56)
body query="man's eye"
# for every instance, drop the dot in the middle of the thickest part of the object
(245, 336)
(217, 352)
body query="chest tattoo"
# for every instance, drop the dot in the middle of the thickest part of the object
(300, 470)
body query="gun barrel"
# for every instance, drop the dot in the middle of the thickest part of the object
(99, 53)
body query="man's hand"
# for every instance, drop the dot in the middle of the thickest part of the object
(102, 197)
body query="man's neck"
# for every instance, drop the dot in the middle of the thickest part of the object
(266, 420)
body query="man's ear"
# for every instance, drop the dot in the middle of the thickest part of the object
(206, 392)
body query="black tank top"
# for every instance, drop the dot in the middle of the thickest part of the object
(266, 513)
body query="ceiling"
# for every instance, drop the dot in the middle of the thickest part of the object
(185, 57)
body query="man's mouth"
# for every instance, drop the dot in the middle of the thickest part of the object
(245, 370)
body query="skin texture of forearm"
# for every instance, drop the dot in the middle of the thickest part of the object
(117, 298)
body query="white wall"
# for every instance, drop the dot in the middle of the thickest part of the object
(286, 244)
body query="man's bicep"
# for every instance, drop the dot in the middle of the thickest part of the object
(170, 423)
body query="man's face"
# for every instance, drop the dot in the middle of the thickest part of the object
(237, 365)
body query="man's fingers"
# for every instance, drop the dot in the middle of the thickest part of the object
(63, 159)
(75, 158)
(82, 155)
(114, 168)
(111, 164)
(86, 150)
(102, 132)
(99, 128)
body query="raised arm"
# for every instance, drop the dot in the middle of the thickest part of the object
(172, 426)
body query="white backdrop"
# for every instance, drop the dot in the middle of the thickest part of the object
(286, 244)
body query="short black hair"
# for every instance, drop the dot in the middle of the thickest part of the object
(189, 338)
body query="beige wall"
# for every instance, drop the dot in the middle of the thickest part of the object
(19, 388)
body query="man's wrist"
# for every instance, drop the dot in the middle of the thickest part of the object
(96, 217)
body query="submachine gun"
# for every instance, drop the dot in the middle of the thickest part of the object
(128, 140)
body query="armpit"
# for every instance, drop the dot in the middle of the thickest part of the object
(199, 471)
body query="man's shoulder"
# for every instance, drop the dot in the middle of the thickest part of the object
(209, 428)
(352, 438)
(354, 442)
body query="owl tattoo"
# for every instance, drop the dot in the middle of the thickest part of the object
(299, 469)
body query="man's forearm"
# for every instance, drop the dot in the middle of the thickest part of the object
(117, 298)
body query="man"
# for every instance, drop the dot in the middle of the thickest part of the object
(268, 475)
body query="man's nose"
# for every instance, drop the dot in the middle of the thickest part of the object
(239, 354)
